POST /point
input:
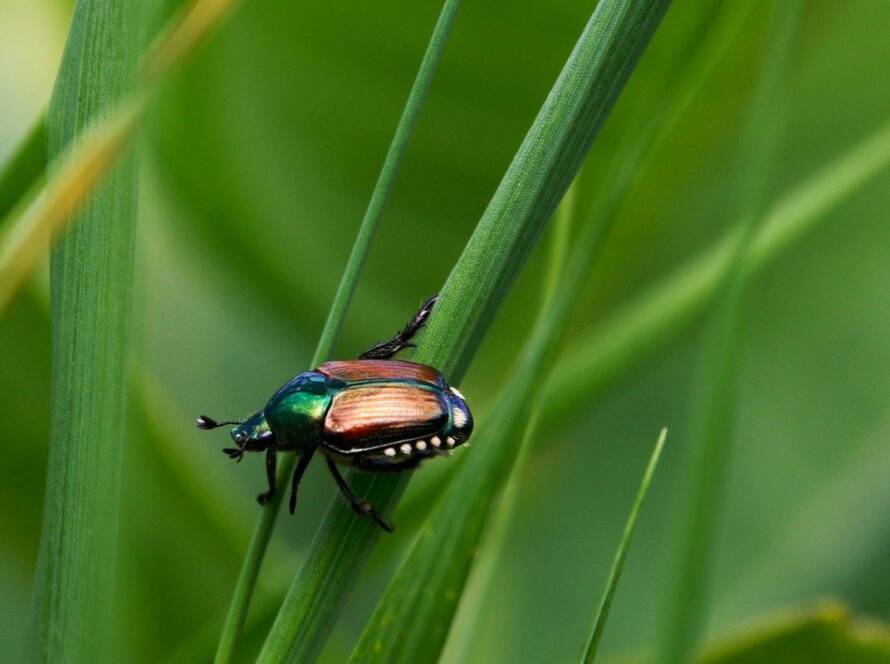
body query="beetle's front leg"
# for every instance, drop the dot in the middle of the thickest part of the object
(271, 465)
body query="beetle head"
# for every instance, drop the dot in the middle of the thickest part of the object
(250, 434)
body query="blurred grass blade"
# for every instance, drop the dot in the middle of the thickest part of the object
(707, 456)
(92, 280)
(23, 168)
(837, 532)
(184, 34)
(536, 180)
(823, 633)
(602, 613)
(250, 568)
(26, 240)
(29, 229)
(651, 320)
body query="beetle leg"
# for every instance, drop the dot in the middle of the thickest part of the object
(362, 507)
(386, 349)
(302, 464)
(271, 463)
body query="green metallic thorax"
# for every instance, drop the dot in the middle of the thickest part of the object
(296, 413)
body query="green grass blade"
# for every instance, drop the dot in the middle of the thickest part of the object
(23, 168)
(651, 320)
(659, 111)
(394, 155)
(825, 632)
(686, 597)
(536, 180)
(250, 569)
(602, 613)
(92, 279)
(423, 597)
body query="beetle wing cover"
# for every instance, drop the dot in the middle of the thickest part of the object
(351, 371)
(366, 417)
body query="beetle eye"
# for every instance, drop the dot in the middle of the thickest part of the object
(240, 437)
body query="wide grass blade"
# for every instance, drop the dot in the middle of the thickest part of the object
(250, 569)
(651, 320)
(686, 598)
(602, 613)
(540, 173)
(92, 280)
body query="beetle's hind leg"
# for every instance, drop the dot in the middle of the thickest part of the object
(386, 349)
(362, 507)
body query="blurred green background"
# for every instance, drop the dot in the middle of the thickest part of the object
(257, 165)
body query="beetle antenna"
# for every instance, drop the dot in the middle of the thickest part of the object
(208, 423)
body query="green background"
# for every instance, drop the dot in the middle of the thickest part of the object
(257, 165)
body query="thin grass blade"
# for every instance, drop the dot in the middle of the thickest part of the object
(250, 569)
(602, 613)
(541, 171)
(686, 597)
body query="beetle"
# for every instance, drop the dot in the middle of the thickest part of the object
(374, 413)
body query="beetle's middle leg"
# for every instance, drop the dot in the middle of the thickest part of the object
(302, 464)
(386, 349)
(362, 507)
(271, 465)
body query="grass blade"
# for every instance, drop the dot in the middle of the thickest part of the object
(538, 177)
(660, 109)
(23, 168)
(686, 597)
(423, 597)
(602, 613)
(250, 569)
(651, 320)
(92, 279)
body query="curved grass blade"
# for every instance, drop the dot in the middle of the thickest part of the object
(92, 279)
(602, 613)
(651, 320)
(250, 569)
(686, 597)
(23, 168)
(536, 180)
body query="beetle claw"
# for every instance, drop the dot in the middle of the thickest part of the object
(235, 453)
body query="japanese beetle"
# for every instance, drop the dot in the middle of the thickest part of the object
(374, 413)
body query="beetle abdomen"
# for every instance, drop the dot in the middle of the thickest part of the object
(368, 416)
